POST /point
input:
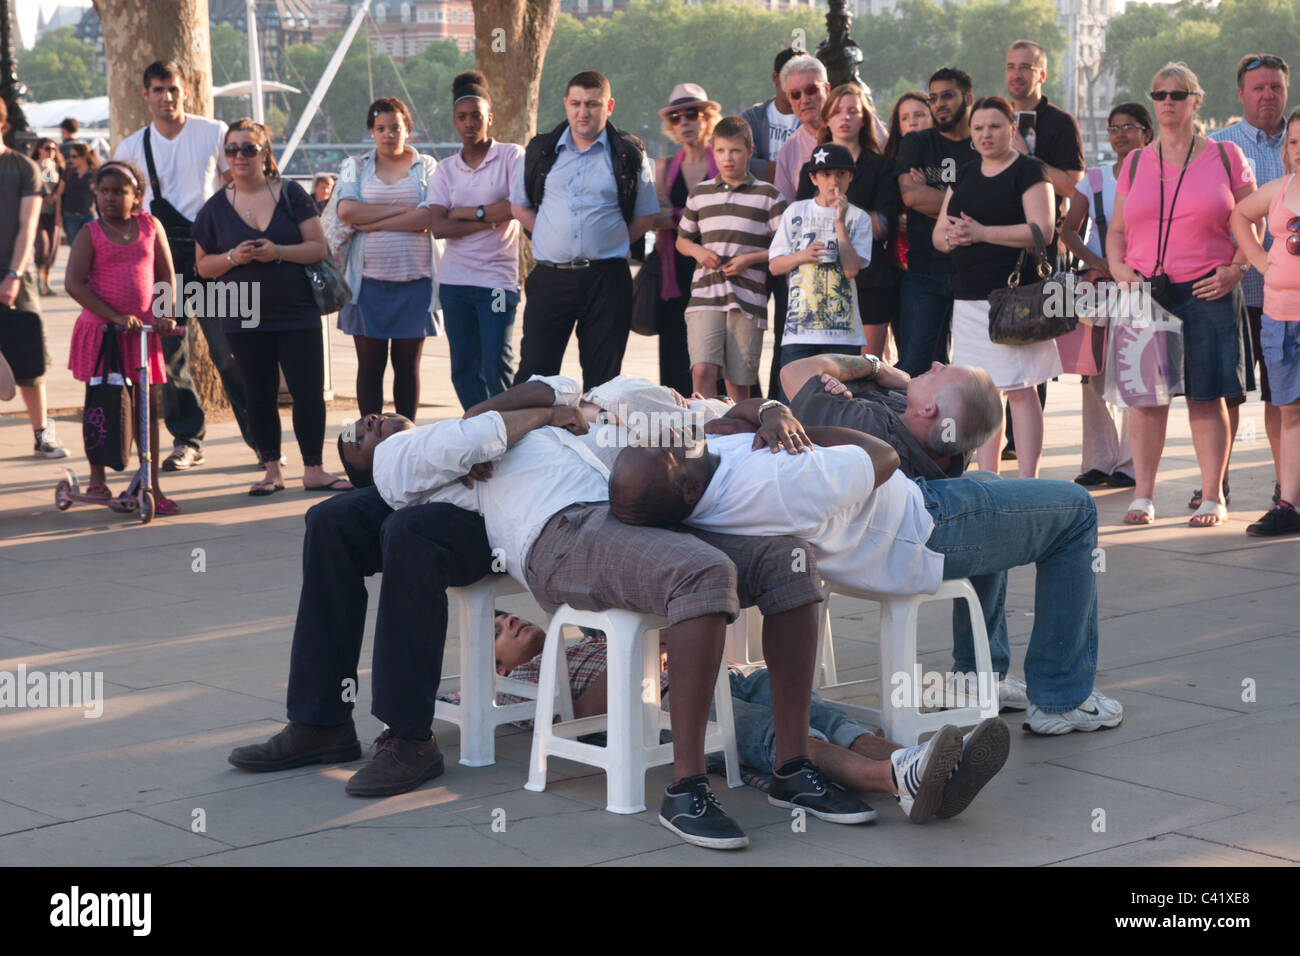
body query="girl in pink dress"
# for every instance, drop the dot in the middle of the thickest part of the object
(112, 269)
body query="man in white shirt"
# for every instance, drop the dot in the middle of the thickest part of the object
(875, 530)
(189, 165)
(545, 513)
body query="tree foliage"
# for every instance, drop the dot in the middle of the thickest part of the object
(1209, 40)
(61, 67)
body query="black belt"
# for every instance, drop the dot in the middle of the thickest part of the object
(576, 264)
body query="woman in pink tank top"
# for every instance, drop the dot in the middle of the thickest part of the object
(113, 267)
(1280, 324)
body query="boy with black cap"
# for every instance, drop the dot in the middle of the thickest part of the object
(823, 242)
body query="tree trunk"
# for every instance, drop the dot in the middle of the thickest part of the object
(510, 40)
(136, 33)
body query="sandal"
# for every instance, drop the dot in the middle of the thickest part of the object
(1195, 500)
(264, 488)
(165, 507)
(338, 484)
(1209, 509)
(98, 490)
(1142, 507)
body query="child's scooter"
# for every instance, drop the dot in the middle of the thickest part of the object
(138, 496)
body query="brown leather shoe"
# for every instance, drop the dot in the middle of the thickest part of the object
(297, 745)
(397, 766)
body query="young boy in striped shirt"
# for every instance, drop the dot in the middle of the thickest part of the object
(727, 226)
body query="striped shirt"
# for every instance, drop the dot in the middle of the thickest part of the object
(395, 256)
(1264, 155)
(731, 221)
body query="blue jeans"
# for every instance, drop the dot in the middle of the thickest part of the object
(72, 223)
(924, 320)
(984, 526)
(482, 361)
(751, 702)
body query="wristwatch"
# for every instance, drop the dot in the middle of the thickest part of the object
(875, 366)
(13, 274)
(770, 403)
(480, 213)
(1243, 266)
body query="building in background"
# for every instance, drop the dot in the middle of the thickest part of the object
(400, 29)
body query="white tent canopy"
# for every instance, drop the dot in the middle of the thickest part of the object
(92, 112)
(245, 88)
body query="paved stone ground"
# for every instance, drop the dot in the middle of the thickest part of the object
(195, 664)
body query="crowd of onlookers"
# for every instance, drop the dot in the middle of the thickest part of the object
(861, 227)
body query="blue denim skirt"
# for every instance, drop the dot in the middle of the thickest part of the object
(390, 310)
(1281, 345)
(1213, 349)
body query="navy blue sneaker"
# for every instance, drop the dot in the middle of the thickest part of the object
(801, 786)
(696, 816)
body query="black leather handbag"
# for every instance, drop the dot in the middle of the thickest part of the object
(1036, 312)
(645, 297)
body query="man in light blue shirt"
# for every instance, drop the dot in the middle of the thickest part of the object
(585, 192)
(1262, 81)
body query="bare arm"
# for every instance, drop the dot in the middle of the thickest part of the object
(80, 259)
(355, 213)
(524, 395)
(410, 219)
(444, 225)
(1246, 215)
(29, 215)
(526, 215)
(1063, 180)
(639, 226)
(846, 368)
(1117, 244)
(1072, 236)
(923, 199)
(498, 211)
(883, 457)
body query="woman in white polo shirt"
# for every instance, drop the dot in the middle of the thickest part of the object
(478, 278)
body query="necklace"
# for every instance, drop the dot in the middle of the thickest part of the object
(250, 212)
(125, 236)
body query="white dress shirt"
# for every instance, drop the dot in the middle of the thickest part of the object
(871, 540)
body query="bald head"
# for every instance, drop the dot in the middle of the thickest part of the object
(645, 488)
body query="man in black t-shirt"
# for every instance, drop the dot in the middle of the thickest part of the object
(1056, 141)
(928, 161)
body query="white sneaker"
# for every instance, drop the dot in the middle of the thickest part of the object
(961, 690)
(920, 772)
(1095, 713)
(47, 445)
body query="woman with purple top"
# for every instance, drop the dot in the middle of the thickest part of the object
(479, 274)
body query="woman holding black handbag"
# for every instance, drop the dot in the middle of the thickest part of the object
(984, 223)
(1171, 230)
(259, 234)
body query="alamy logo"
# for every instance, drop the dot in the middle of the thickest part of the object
(74, 909)
(37, 689)
(214, 299)
(679, 428)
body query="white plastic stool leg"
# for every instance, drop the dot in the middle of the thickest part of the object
(546, 691)
(477, 674)
(625, 737)
(826, 645)
(727, 721)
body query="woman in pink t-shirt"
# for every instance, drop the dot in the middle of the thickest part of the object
(1170, 227)
(1280, 325)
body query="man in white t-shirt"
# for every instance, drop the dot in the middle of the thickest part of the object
(189, 165)
(873, 529)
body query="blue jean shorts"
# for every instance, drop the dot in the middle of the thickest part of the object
(1281, 345)
(1213, 350)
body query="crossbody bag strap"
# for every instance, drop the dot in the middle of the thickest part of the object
(153, 171)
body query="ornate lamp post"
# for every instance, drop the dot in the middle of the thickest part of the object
(838, 52)
(11, 88)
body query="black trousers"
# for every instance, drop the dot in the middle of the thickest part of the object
(779, 287)
(598, 299)
(301, 353)
(421, 550)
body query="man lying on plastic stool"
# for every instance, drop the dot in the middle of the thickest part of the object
(850, 755)
(528, 463)
(874, 529)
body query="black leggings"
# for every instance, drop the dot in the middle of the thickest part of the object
(260, 356)
(372, 358)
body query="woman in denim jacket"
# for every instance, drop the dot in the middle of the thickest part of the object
(391, 265)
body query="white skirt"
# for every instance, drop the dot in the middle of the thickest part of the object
(1011, 366)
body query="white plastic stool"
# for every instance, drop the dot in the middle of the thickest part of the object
(478, 715)
(745, 638)
(905, 723)
(633, 720)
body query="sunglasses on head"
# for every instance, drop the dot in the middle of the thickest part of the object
(690, 113)
(1272, 62)
(945, 95)
(1293, 240)
(1176, 95)
(811, 90)
(247, 150)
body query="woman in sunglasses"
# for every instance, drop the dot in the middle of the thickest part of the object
(255, 236)
(49, 233)
(687, 120)
(1280, 323)
(1171, 230)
